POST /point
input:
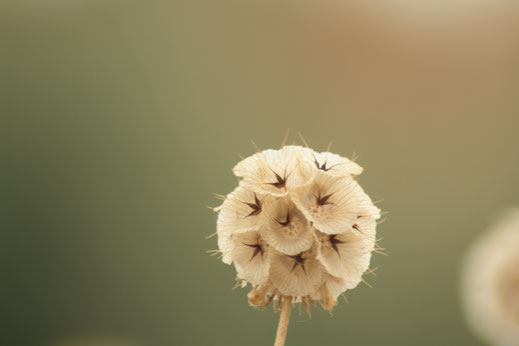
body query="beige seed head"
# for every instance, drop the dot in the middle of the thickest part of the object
(298, 225)
(490, 283)
(298, 228)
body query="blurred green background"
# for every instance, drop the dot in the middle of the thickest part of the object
(120, 119)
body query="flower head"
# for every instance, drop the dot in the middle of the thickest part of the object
(298, 225)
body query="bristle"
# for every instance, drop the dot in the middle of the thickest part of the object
(277, 305)
(366, 283)
(303, 140)
(329, 147)
(221, 197)
(372, 271)
(211, 235)
(311, 300)
(307, 307)
(255, 146)
(287, 133)
(237, 283)
(269, 301)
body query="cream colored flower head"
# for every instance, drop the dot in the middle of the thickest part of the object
(297, 225)
(490, 283)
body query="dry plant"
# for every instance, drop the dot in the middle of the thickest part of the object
(298, 228)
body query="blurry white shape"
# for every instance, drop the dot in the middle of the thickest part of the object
(490, 283)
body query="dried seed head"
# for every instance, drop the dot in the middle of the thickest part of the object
(490, 283)
(297, 225)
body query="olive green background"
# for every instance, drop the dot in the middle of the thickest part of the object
(120, 120)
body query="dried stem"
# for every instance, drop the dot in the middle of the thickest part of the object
(283, 321)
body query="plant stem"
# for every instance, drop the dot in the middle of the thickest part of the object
(283, 321)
